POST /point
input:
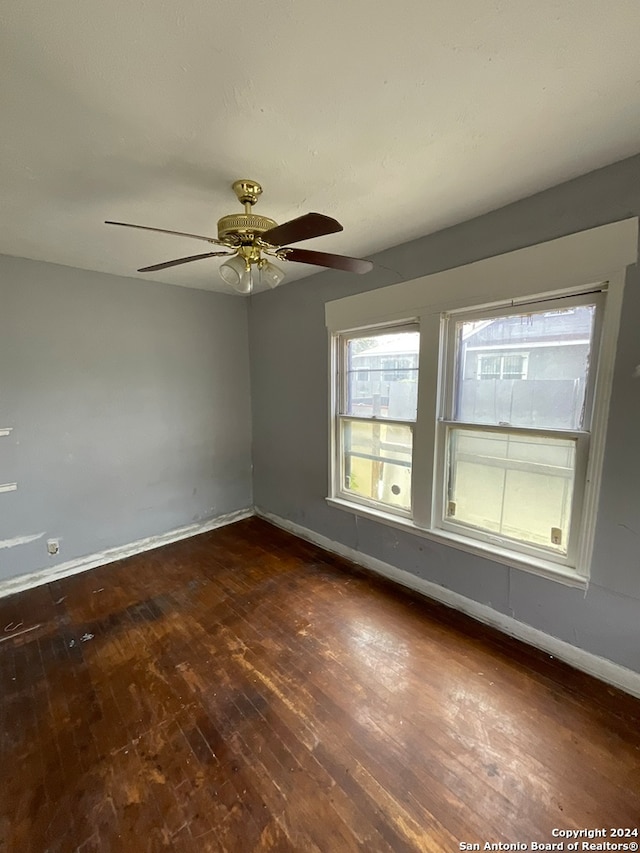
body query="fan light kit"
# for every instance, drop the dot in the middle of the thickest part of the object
(248, 238)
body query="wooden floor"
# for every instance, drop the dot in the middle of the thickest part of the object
(243, 690)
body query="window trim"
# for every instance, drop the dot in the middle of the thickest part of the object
(494, 553)
(575, 265)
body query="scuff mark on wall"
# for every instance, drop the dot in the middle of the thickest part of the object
(20, 540)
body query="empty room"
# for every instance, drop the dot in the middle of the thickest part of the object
(320, 426)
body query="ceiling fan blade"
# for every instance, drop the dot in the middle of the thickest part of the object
(302, 228)
(324, 259)
(184, 261)
(164, 231)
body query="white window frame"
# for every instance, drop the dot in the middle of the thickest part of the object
(341, 343)
(582, 437)
(584, 263)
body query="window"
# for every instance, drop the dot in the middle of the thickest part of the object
(492, 366)
(376, 415)
(512, 450)
(470, 406)
(394, 368)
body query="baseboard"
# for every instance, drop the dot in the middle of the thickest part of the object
(606, 670)
(92, 561)
(601, 668)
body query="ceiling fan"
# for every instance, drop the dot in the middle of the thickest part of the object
(249, 237)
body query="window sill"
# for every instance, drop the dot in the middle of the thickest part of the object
(543, 568)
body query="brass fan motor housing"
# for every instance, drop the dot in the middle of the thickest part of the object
(243, 227)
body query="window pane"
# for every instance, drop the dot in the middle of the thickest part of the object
(525, 370)
(382, 376)
(377, 461)
(513, 485)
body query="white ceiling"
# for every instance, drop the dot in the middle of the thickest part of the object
(396, 118)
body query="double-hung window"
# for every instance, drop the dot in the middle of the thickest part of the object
(376, 416)
(470, 406)
(515, 447)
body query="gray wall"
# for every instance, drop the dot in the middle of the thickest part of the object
(130, 409)
(290, 427)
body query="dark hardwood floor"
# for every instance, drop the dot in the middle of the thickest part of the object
(243, 690)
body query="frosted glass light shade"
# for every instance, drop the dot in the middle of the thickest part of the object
(236, 274)
(270, 274)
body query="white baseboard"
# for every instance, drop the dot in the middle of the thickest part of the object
(606, 670)
(92, 561)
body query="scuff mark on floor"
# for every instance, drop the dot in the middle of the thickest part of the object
(19, 633)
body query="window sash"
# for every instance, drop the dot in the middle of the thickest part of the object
(449, 372)
(340, 460)
(582, 441)
(342, 357)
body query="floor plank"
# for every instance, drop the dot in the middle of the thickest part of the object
(245, 691)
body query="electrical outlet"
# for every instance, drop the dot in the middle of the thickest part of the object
(556, 535)
(53, 547)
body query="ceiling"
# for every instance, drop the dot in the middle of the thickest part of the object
(396, 118)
